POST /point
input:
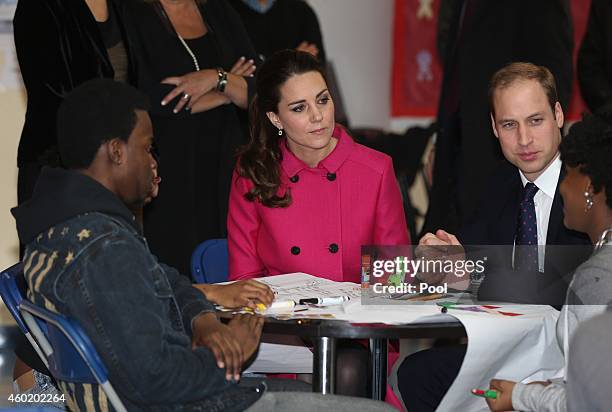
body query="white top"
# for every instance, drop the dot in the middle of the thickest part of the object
(543, 200)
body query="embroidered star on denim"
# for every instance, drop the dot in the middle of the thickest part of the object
(69, 258)
(84, 234)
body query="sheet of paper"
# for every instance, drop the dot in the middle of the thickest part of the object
(296, 286)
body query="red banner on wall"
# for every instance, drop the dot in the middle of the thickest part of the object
(417, 73)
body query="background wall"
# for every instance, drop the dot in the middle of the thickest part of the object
(357, 37)
(12, 111)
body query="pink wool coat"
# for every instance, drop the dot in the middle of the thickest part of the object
(350, 199)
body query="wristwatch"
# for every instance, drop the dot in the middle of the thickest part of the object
(221, 79)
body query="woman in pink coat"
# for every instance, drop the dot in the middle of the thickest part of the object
(305, 197)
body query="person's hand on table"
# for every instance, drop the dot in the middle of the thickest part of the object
(504, 389)
(440, 238)
(242, 293)
(222, 342)
(439, 246)
(308, 48)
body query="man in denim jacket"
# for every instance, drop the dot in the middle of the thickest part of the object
(86, 258)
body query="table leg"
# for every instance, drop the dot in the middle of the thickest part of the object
(324, 366)
(378, 349)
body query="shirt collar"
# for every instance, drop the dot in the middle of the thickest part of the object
(258, 7)
(547, 181)
(292, 165)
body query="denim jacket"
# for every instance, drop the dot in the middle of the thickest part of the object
(97, 268)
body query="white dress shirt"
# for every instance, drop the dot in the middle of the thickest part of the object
(543, 200)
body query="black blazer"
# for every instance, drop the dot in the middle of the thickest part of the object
(496, 226)
(58, 47)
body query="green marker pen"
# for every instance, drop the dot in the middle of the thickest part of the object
(489, 393)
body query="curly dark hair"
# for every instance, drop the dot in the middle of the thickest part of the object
(260, 159)
(588, 146)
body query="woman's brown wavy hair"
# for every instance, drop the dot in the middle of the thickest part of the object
(259, 160)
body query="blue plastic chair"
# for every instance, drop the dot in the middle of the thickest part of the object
(12, 296)
(210, 261)
(70, 353)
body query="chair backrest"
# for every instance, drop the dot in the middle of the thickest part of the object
(210, 261)
(70, 353)
(12, 295)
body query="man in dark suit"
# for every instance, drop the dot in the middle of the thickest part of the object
(526, 119)
(520, 208)
(478, 38)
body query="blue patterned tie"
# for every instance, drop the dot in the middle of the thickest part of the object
(526, 251)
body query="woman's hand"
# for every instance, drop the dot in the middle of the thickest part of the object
(193, 86)
(504, 395)
(190, 87)
(242, 293)
(243, 67)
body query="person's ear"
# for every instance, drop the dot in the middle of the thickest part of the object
(116, 150)
(493, 124)
(274, 119)
(559, 117)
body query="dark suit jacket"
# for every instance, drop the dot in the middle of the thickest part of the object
(493, 34)
(58, 46)
(494, 231)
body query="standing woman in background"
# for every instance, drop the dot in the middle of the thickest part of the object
(60, 44)
(194, 61)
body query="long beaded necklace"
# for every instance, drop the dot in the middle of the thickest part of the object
(196, 64)
(191, 53)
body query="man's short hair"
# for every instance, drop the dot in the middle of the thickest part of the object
(93, 113)
(507, 75)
